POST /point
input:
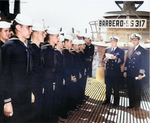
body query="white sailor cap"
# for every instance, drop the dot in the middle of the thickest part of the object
(75, 41)
(86, 35)
(69, 37)
(53, 31)
(61, 38)
(135, 35)
(4, 24)
(62, 32)
(38, 27)
(114, 38)
(23, 19)
(81, 42)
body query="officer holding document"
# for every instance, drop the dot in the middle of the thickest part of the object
(135, 71)
(114, 58)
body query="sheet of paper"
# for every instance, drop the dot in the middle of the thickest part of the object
(108, 55)
(136, 78)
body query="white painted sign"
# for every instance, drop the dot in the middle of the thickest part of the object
(122, 23)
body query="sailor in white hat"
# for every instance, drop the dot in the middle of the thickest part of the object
(76, 75)
(80, 68)
(52, 36)
(135, 70)
(37, 37)
(59, 108)
(4, 32)
(49, 63)
(83, 70)
(4, 36)
(18, 83)
(60, 43)
(82, 45)
(67, 70)
(38, 34)
(89, 52)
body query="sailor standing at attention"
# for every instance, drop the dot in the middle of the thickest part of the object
(89, 52)
(37, 37)
(67, 62)
(135, 71)
(113, 70)
(74, 86)
(83, 76)
(47, 54)
(59, 94)
(16, 71)
(4, 36)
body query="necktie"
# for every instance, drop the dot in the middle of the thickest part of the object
(133, 50)
(112, 51)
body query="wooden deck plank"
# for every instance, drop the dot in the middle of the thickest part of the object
(88, 115)
(94, 112)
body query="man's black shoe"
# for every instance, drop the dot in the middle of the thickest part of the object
(65, 116)
(115, 105)
(137, 108)
(105, 102)
(86, 97)
(60, 121)
(129, 107)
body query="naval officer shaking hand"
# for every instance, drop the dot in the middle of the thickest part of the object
(135, 71)
(114, 59)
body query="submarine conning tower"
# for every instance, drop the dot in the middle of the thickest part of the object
(122, 23)
(128, 10)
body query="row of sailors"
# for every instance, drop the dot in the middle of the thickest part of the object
(56, 76)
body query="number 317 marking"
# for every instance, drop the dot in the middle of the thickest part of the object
(139, 23)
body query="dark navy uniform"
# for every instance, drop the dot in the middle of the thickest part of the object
(67, 62)
(47, 55)
(83, 74)
(37, 72)
(89, 52)
(59, 98)
(16, 67)
(135, 65)
(1, 90)
(113, 74)
(74, 86)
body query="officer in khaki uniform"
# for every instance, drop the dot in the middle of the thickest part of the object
(135, 71)
(113, 70)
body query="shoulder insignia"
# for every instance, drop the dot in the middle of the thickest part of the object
(138, 53)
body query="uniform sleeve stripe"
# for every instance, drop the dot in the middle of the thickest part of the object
(142, 71)
(7, 100)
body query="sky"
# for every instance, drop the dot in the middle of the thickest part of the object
(71, 13)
